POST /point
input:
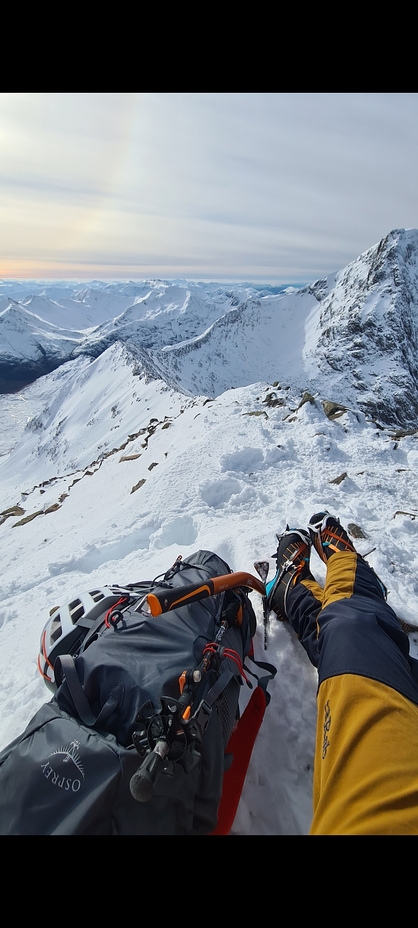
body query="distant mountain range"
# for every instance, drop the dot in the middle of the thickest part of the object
(352, 337)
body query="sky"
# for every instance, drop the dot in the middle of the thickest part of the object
(279, 187)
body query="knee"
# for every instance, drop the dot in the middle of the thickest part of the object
(354, 639)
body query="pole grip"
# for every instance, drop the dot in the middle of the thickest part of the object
(143, 782)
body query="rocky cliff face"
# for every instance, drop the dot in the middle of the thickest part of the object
(364, 334)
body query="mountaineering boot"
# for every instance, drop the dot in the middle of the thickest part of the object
(328, 536)
(292, 559)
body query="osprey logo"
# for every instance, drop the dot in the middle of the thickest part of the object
(55, 772)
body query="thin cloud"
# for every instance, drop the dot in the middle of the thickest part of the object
(279, 187)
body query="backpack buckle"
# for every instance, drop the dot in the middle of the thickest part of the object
(200, 719)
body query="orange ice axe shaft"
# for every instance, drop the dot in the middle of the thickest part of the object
(166, 600)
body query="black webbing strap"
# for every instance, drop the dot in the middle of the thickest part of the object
(79, 697)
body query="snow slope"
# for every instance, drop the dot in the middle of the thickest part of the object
(122, 473)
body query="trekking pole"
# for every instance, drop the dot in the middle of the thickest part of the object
(165, 600)
(142, 784)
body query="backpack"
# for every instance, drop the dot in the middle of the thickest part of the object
(135, 739)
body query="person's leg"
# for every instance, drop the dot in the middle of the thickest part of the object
(366, 759)
(304, 603)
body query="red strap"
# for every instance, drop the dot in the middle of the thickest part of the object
(240, 744)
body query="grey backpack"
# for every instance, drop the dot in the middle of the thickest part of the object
(134, 739)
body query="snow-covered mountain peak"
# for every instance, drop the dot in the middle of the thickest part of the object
(363, 336)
